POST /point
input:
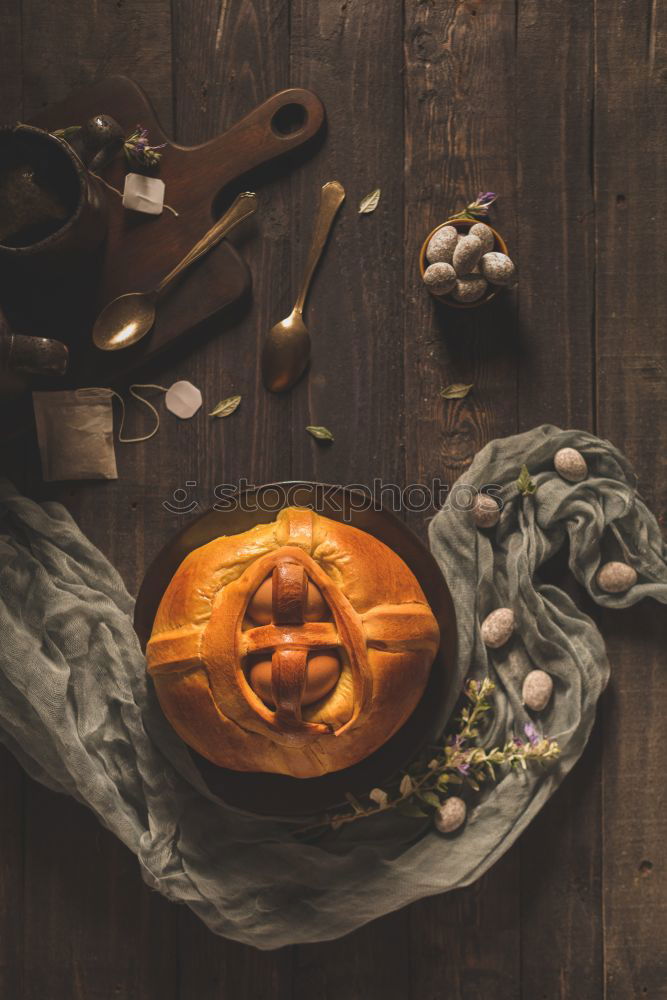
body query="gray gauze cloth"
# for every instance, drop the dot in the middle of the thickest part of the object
(77, 712)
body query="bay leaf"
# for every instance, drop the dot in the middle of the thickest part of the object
(370, 202)
(524, 483)
(410, 808)
(321, 433)
(456, 391)
(225, 407)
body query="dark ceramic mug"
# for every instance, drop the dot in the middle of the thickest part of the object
(53, 211)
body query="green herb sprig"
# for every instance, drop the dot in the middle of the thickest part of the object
(461, 761)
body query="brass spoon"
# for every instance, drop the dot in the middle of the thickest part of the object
(127, 319)
(287, 347)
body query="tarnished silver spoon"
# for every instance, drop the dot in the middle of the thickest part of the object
(286, 349)
(127, 319)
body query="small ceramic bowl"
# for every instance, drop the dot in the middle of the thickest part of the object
(463, 226)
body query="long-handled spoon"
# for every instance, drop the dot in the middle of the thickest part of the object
(128, 318)
(286, 349)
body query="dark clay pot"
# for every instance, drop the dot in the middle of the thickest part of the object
(52, 210)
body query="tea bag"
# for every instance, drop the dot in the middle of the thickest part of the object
(75, 434)
(75, 427)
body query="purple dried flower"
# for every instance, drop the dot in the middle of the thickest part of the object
(487, 198)
(463, 769)
(138, 148)
(531, 732)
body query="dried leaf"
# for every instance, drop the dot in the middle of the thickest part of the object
(321, 433)
(406, 785)
(524, 483)
(410, 809)
(225, 407)
(430, 798)
(370, 202)
(354, 802)
(456, 391)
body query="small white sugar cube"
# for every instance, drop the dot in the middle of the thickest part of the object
(143, 194)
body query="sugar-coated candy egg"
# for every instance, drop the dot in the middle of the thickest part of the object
(466, 254)
(441, 245)
(451, 815)
(616, 577)
(484, 234)
(440, 278)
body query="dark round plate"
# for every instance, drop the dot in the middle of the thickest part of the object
(277, 794)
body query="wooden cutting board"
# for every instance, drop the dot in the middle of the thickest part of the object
(140, 249)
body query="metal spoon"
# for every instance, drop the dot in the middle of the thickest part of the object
(127, 319)
(287, 347)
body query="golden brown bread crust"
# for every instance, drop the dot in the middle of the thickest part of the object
(381, 625)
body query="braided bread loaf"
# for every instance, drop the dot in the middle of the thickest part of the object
(298, 647)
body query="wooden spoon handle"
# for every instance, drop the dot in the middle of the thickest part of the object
(332, 197)
(239, 210)
(265, 133)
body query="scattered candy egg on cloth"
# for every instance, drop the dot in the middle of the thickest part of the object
(451, 815)
(616, 577)
(570, 464)
(537, 690)
(498, 627)
(485, 511)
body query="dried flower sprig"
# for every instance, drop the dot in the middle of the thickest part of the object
(425, 785)
(137, 148)
(479, 208)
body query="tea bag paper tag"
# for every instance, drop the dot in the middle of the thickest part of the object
(143, 194)
(75, 434)
(183, 399)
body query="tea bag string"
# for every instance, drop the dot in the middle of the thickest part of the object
(133, 392)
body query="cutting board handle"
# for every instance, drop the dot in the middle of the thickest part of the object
(285, 121)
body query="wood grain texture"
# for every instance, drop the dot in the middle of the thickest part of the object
(12, 780)
(558, 108)
(561, 934)
(227, 58)
(350, 54)
(460, 139)
(355, 307)
(66, 48)
(92, 929)
(631, 315)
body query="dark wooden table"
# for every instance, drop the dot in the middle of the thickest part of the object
(559, 107)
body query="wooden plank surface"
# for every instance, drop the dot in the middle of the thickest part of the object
(560, 856)
(12, 780)
(630, 160)
(460, 140)
(557, 107)
(92, 929)
(227, 58)
(356, 373)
